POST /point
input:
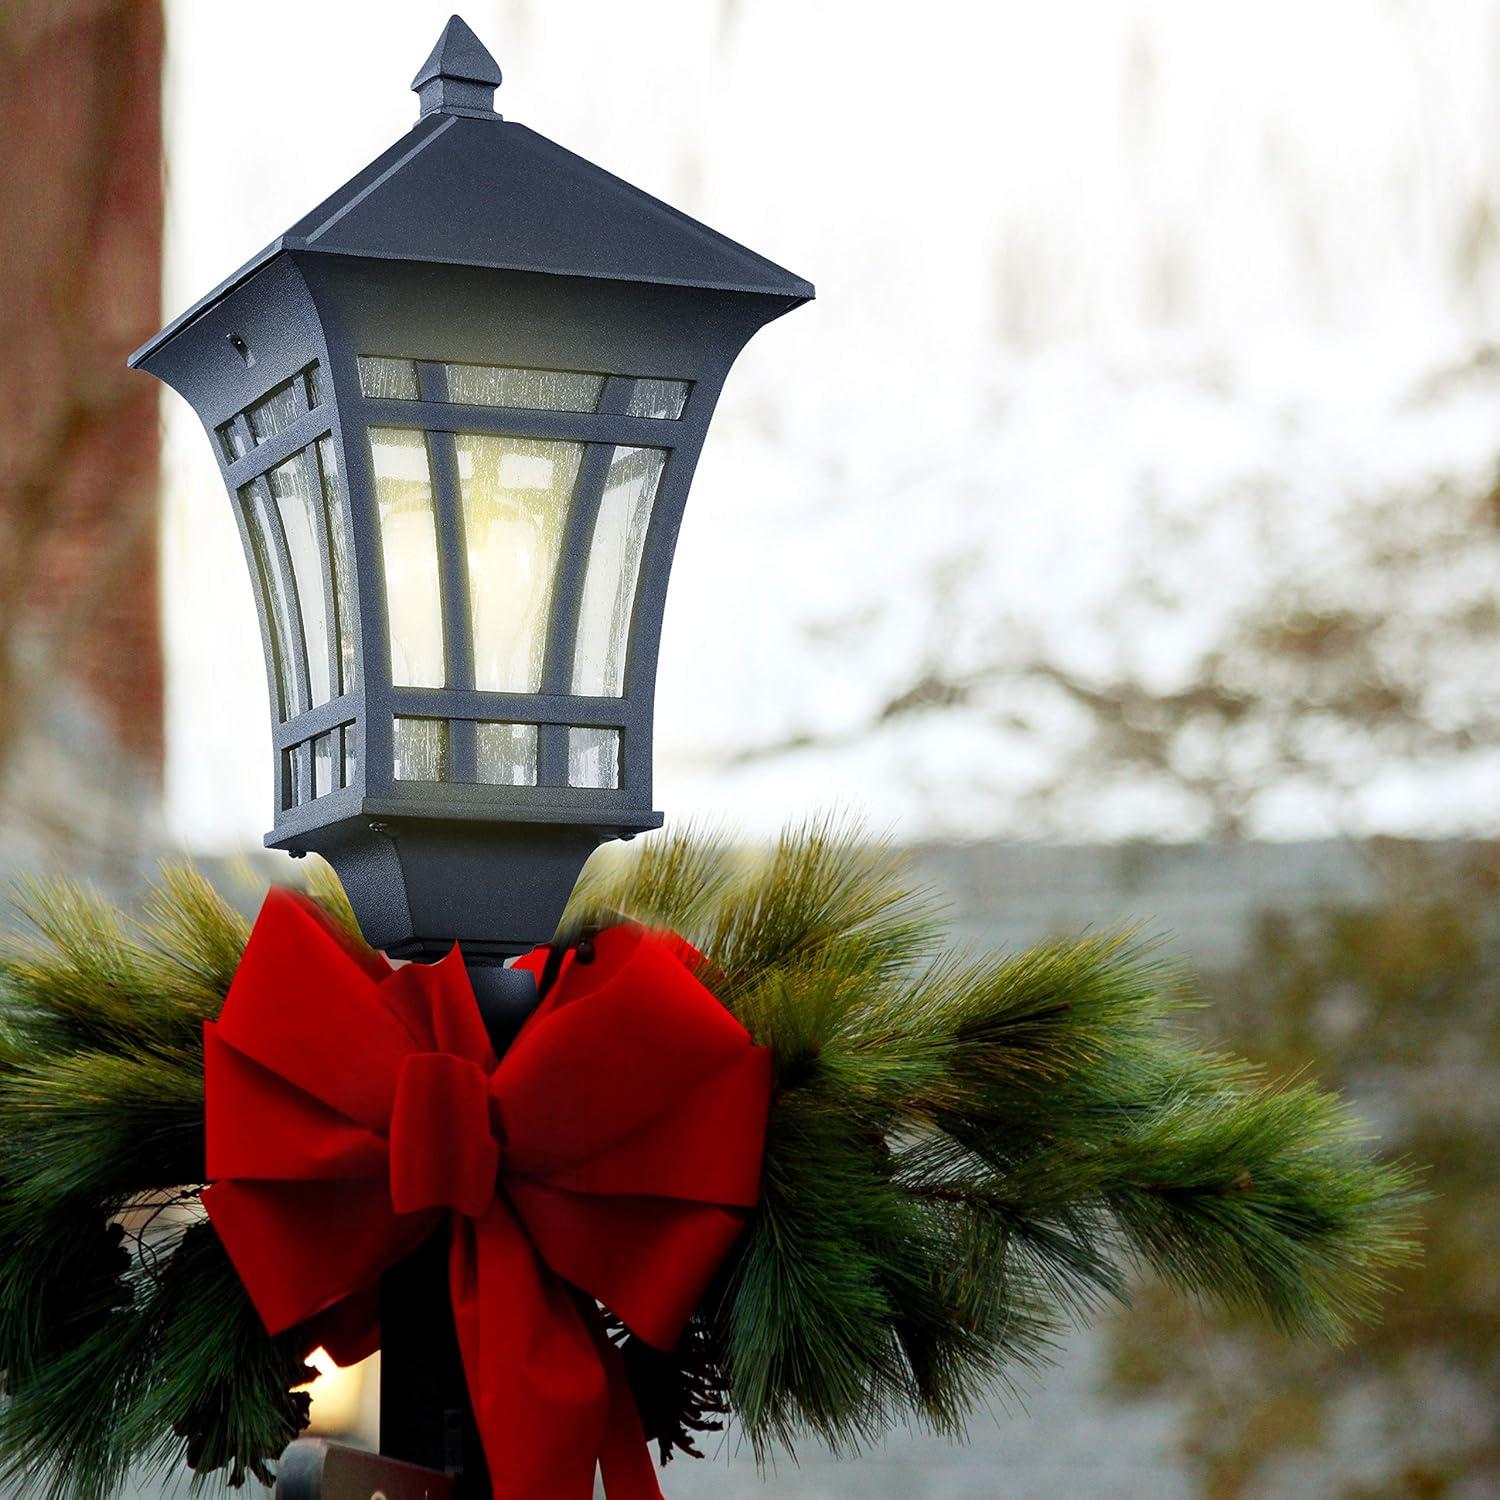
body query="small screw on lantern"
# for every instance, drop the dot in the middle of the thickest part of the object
(457, 408)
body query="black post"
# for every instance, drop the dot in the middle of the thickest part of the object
(425, 1414)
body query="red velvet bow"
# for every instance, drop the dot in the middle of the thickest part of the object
(614, 1149)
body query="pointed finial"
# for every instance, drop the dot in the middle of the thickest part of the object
(460, 77)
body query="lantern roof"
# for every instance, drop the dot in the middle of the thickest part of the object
(465, 187)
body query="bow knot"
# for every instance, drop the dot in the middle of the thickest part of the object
(610, 1156)
(444, 1152)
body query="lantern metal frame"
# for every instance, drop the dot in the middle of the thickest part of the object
(472, 240)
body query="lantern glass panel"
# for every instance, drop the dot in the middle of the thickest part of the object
(614, 568)
(516, 493)
(339, 559)
(275, 412)
(351, 754)
(408, 532)
(594, 758)
(507, 754)
(272, 572)
(298, 492)
(388, 379)
(323, 764)
(234, 439)
(530, 390)
(663, 399)
(421, 750)
(297, 770)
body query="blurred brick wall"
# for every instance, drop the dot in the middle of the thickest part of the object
(80, 271)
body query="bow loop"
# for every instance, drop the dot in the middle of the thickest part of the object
(611, 1154)
(443, 1153)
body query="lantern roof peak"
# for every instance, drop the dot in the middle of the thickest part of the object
(465, 187)
(460, 76)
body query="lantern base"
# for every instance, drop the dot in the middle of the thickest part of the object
(418, 885)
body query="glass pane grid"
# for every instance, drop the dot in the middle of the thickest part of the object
(409, 545)
(339, 559)
(275, 598)
(662, 399)
(594, 758)
(520, 389)
(507, 753)
(516, 493)
(297, 491)
(614, 566)
(318, 766)
(388, 379)
(300, 549)
(524, 390)
(272, 414)
(421, 750)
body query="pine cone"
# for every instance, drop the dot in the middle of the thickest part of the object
(678, 1394)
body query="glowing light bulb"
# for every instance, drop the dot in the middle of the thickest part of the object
(516, 494)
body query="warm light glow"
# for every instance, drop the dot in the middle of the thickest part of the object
(408, 532)
(337, 1393)
(516, 494)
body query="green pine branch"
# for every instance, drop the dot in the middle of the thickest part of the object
(964, 1154)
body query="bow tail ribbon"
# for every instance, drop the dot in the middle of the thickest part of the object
(610, 1156)
(549, 1391)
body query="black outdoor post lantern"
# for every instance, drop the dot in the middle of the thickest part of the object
(457, 408)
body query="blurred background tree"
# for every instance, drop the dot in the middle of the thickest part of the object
(1397, 1003)
(1252, 668)
(81, 733)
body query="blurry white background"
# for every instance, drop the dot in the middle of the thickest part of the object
(1141, 323)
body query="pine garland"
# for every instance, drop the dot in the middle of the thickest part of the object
(964, 1154)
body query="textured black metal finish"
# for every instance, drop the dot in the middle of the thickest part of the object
(506, 999)
(459, 76)
(421, 885)
(474, 241)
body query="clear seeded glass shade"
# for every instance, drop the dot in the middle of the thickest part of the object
(272, 576)
(343, 563)
(391, 379)
(421, 750)
(300, 562)
(274, 413)
(594, 758)
(516, 494)
(298, 494)
(662, 399)
(507, 754)
(530, 390)
(614, 569)
(408, 533)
